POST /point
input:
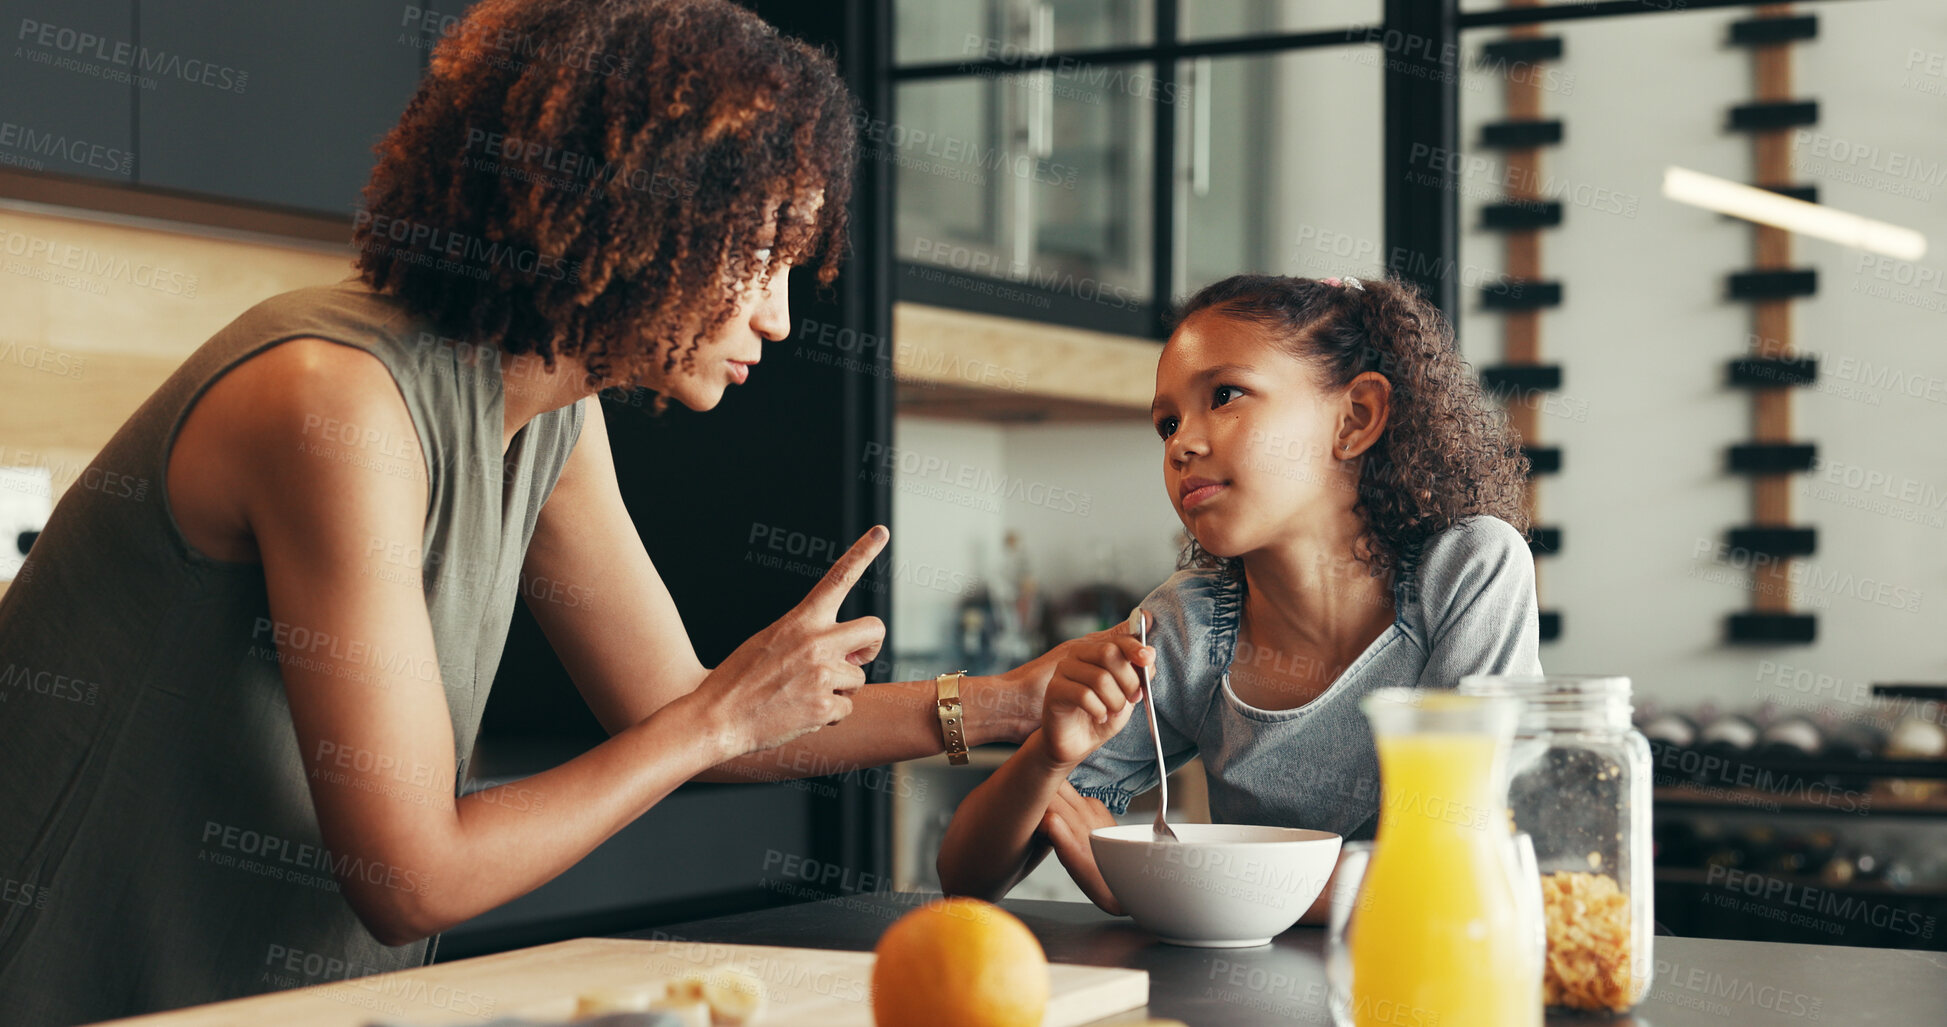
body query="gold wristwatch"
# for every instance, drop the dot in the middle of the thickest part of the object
(952, 725)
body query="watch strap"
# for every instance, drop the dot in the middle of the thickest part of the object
(952, 723)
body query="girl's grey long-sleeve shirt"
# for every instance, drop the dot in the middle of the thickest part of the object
(1464, 603)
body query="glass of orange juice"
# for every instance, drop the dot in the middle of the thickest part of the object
(1442, 933)
(1350, 874)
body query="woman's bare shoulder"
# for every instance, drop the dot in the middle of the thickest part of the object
(303, 411)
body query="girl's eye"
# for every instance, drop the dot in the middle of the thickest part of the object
(1223, 394)
(1166, 427)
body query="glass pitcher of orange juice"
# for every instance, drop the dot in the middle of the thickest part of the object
(1442, 936)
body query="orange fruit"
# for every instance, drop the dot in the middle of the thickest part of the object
(959, 963)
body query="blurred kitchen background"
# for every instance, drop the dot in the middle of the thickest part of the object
(1740, 491)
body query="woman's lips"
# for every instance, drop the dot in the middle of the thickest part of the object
(739, 371)
(1191, 499)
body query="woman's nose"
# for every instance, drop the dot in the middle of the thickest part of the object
(772, 318)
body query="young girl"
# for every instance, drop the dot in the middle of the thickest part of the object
(1356, 520)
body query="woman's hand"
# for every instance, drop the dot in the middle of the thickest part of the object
(1009, 703)
(1093, 691)
(797, 675)
(1066, 826)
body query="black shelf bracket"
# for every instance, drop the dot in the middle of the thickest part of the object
(1757, 373)
(1772, 457)
(1503, 378)
(1769, 284)
(1551, 625)
(1543, 459)
(1772, 628)
(1770, 115)
(1521, 50)
(1772, 31)
(1521, 294)
(1521, 134)
(1544, 541)
(1521, 216)
(1775, 541)
(1807, 191)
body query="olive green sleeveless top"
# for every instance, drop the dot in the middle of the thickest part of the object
(158, 846)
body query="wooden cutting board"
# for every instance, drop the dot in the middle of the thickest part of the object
(808, 988)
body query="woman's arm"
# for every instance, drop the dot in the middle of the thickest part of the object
(362, 677)
(891, 722)
(604, 608)
(897, 721)
(990, 844)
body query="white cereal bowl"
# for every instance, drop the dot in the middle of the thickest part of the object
(1220, 886)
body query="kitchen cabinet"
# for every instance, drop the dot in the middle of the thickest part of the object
(271, 103)
(780, 458)
(698, 852)
(1092, 166)
(1227, 19)
(65, 110)
(925, 31)
(1036, 182)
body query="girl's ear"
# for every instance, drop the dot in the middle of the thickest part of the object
(1367, 403)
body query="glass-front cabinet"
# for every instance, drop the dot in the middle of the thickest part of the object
(1025, 141)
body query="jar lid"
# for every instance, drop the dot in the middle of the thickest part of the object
(1559, 701)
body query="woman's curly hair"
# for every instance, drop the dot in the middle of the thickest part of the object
(595, 178)
(1444, 454)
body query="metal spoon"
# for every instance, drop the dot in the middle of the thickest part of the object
(1139, 626)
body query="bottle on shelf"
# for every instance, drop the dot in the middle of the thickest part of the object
(1016, 607)
(1853, 740)
(1730, 733)
(978, 621)
(1669, 728)
(1916, 739)
(1790, 736)
(1103, 603)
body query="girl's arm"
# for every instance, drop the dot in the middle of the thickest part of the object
(991, 843)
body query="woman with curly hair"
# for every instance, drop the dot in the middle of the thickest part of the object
(259, 684)
(1356, 520)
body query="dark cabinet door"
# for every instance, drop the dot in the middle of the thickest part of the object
(67, 87)
(717, 498)
(272, 102)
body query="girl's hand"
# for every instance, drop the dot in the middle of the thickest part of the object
(1015, 704)
(1066, 826)
(1091, 696)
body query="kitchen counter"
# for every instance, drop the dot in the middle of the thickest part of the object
(1698, 980)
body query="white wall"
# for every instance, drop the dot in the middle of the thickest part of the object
(1644, 334)
(1129, 533)
(937, 523)
(1086, 500)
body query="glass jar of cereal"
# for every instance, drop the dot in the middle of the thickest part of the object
(1579, 784)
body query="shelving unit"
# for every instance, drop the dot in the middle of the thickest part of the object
(1703, 901)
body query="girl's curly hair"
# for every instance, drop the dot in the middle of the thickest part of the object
(594, 179)
(1444, 454)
